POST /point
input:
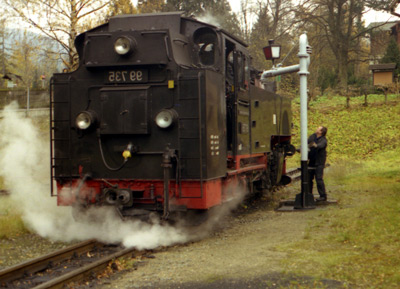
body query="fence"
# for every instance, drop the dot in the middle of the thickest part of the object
(37, 98)
(34, 112)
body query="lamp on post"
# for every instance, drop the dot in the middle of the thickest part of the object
(272, 51)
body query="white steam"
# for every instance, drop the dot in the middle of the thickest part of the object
(24, 165)
(216, 216)
(210, 19)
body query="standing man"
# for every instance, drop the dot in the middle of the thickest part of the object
(317, 157)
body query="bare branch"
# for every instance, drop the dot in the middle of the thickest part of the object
(94, 10)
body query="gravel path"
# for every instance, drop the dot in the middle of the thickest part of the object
(245, 254)
(25, 247)
(245, 251)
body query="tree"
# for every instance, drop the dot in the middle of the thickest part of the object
(48, 61)
(273, 21)
(189, 7)
(25, 57)
(340, 22)
(260, 35)
(392, 55)
(23, 60)
(3, 37)
(60, 20)
(245, 15)
(281, 12)
(216, 12)
(118, 7)
(336, 18)
(4, 52)
(323, 66)
(151, 6)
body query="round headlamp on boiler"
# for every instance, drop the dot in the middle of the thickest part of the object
(166, 118)
(124, 45)
(85, 120)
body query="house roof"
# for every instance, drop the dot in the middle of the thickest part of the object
(383, 66)
(11, 76)
(382, 26)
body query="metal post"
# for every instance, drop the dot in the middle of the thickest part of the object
(27, 100)
(304, 200)
(167, 168)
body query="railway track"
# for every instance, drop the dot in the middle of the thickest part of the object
(4, 192)
(71, 264)
(294, 174)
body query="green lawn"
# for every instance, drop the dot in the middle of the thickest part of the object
(358, 241)
(354, 134)
(11, 223)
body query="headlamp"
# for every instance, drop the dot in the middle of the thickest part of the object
(123, 45)
(85, 119)
(165, 118)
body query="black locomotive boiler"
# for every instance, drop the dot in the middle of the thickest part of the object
(163, 114)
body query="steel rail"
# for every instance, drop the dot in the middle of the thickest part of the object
(292, 171)
(44, 262)
(294, 174)
(81, 273)
(4, 193)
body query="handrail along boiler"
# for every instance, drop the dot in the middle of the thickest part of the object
(164, 114)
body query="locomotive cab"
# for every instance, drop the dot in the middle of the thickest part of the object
(163, 115)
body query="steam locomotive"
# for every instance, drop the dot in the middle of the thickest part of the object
(164, 114)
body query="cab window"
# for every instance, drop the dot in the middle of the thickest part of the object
(206, 41)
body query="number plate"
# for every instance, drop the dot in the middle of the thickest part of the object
(127, 76)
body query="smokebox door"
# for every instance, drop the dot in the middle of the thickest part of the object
(124, 110)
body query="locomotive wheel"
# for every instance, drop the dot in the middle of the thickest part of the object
(290, 150)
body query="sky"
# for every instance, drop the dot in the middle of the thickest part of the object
(375, 16)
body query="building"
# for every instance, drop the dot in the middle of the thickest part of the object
(383, 74)
(13, 80)
(380, 34)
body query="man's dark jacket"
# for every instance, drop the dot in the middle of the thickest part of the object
(317, 155)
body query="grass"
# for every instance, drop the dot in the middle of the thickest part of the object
(11, 223)
(354, 134)
(358, 241)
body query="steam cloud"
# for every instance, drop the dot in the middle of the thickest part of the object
(24, 165)
(209, 18)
